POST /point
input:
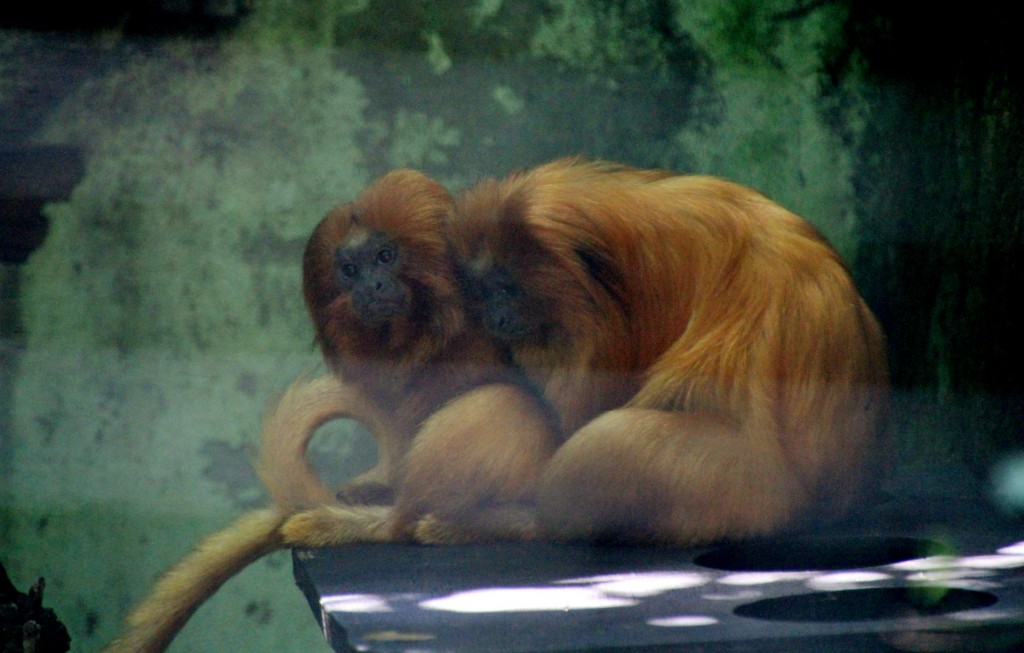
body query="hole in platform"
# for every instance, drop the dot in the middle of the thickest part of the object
(866, 604)
(807, 553)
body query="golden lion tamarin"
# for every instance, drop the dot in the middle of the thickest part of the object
(706, 349)
(380, 287)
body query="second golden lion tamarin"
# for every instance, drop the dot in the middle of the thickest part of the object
(705, 350)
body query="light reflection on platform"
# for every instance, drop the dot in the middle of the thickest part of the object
(664, 597)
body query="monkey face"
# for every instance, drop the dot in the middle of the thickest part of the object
(501, 303)
(526, 286)
(368, 267)
(376, 274)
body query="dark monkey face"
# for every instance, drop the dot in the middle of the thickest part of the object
(368, 266)
(501, 303)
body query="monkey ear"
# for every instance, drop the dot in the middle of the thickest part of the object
(594, 258)
(601, 267)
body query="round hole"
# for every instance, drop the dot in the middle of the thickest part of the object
(808, 553)
(866, 604)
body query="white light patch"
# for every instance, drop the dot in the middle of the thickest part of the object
(764, 577)
(683, 621)
(946, 575)
(354, 603)
(925, 564)
(644, 584)
(1013, 549)
(357, 237)
(986, 615)
(527, 599)
(992, 561)
(846, 579)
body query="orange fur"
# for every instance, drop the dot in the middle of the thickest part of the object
(287, 427)
(475, 465)
(706, 348)
(470, 475)
(384, 363)
(419, 367)
(283, 465)
(392, 377)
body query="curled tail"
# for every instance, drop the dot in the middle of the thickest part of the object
(154, 622)
(288, 428)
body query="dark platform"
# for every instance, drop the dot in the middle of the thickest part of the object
(854, 589)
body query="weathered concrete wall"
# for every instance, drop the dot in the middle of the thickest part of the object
(163, 309)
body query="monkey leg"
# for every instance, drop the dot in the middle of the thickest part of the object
(483, 450)
(645, 475)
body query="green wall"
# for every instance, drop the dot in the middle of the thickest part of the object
(163, 310)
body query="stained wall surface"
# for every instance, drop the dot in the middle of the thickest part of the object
(141, 341)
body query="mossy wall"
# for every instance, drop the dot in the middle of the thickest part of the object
(163, 310)
(940, 192)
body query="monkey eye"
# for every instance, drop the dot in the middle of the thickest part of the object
(385, 256)
(349, 270)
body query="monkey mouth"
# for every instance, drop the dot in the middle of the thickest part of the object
(382, 311)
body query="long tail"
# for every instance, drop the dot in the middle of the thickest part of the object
(287, 430)
(154, 622)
